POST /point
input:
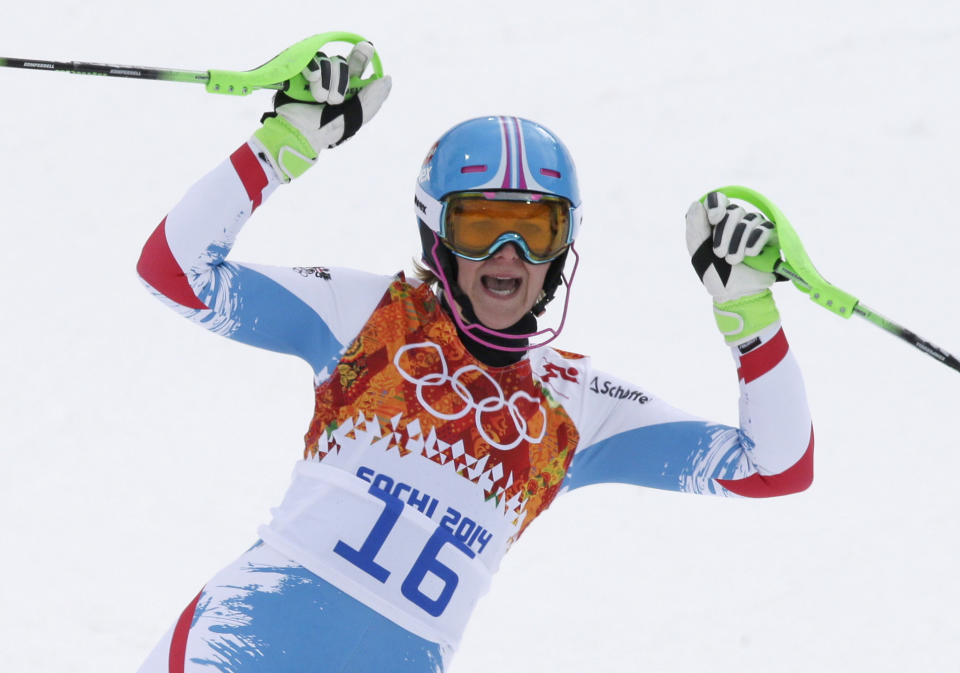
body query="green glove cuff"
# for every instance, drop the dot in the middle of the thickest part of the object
(744, 317)
(290, 151)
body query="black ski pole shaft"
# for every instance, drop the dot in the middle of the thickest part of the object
(902, 332)
(880, 321)
(284, 71)
(84, 68)
(107, 70)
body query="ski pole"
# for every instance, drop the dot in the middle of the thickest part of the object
(796, 265)
(282, 72)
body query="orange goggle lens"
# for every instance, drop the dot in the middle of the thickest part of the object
(475, 225)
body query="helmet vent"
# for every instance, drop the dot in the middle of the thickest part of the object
(479, 168)
(550, 173)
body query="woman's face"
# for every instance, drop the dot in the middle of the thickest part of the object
(503, 287)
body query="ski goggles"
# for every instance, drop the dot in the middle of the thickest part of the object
(474, 225)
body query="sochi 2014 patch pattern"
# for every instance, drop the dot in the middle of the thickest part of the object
(407, 379)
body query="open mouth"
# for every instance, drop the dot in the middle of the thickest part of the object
(501, 286)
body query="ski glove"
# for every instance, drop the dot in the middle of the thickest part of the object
(719, 236)
(295, 132)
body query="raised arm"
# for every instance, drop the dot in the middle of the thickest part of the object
(631, 437)
(307, 312)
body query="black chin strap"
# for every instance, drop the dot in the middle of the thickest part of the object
(492, 357)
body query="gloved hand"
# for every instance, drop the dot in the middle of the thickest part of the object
(295, 132)
(719, 236)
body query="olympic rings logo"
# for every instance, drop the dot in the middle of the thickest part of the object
(479, 407)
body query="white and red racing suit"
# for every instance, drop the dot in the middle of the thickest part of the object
(422, 465)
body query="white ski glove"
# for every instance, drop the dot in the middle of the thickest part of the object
(719, 236)
(330, 77)
(295, 133)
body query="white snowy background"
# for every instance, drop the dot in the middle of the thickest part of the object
(138, 453)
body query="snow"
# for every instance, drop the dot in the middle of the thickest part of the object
(140, 453)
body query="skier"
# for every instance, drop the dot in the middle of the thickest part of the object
(443, 423)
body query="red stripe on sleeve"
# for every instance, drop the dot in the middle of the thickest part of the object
(756, 363)
(792, 480)
(251, 173)
(178, 644)
(158, 267)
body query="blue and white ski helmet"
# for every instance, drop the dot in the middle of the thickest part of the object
(495, 154)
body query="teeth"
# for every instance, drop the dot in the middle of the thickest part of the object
(501, 285)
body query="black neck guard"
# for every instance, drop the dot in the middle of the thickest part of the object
(492, 357)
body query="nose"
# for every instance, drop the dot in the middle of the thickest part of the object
(508, 252)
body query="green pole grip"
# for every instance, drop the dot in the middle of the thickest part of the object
(795, 264)
(284, 70)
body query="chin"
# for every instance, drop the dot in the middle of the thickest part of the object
(495, 324)
(500, 321)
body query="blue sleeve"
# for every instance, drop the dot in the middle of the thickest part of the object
(252, 308)
(628, 435)
(678, 456)
(308, 312)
